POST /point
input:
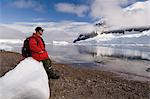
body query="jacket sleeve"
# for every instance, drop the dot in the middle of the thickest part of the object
(33, 45)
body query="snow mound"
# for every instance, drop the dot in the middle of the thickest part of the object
(27, 81)
(5, 47)
(11, 41)
(60, 43)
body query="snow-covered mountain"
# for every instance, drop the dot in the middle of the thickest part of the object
(130, 39)
(138, 6)
(85, 36)
(115, 35)
(136, 9)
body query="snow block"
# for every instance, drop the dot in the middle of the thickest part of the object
(28, 80)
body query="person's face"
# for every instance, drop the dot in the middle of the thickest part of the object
(41, 32)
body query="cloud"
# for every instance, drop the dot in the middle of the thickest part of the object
(10, 33)
(79, 10)
(115, 14)
(39, 19)
(58, 31)
(26, 4)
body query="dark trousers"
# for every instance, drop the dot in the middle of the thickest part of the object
(48, 66)
(52, 73)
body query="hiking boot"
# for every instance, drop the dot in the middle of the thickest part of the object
(53, 74)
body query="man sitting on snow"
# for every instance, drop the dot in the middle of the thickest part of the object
(39, 53)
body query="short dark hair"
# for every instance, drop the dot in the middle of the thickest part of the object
(37, 29)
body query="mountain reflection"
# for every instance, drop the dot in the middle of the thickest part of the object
(98, 52)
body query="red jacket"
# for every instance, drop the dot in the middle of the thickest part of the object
(37, 47)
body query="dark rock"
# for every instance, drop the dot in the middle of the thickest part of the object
(148, 69)
(85, 36)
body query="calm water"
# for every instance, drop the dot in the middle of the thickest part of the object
(92, 54)
(132, 60)
(88, 53)
(84, 53)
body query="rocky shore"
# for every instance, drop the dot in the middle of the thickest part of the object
(79, 83)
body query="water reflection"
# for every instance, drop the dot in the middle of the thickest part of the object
(124, 53)
(133, 62)
(85, 53)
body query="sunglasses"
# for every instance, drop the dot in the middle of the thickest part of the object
(41, 30)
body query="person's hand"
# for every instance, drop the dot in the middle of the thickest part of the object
(41, 52)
